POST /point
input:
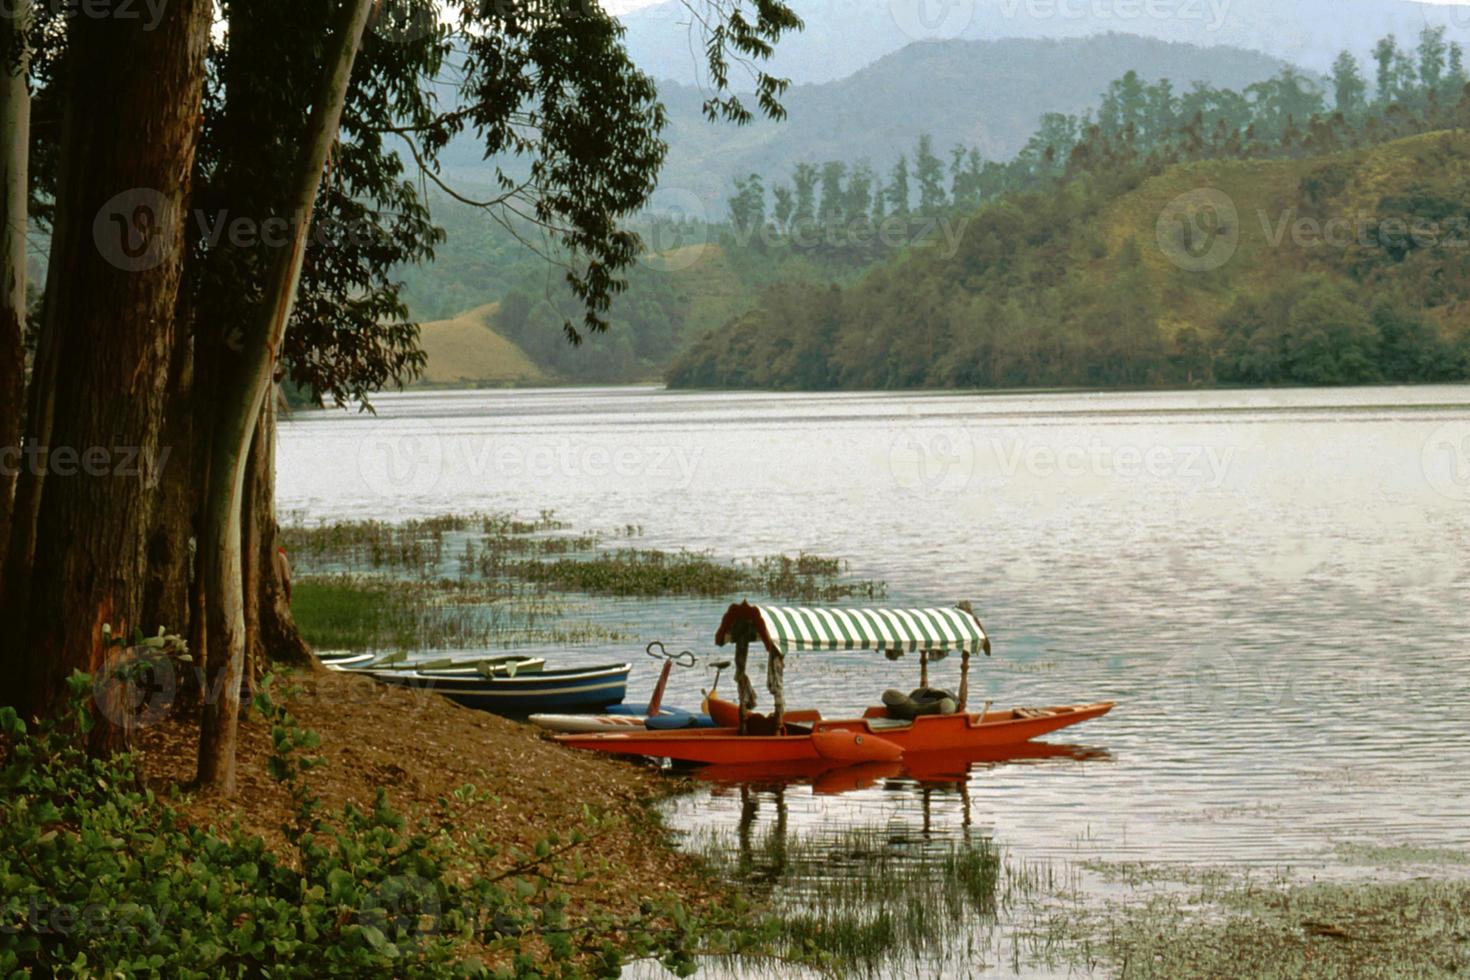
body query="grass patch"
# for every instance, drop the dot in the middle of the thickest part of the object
(651, 573)
(1407, 929)
(349, 611)
(346, 613)
(860, 899)
(463, 581)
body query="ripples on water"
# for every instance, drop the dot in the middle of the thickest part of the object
(1272, 584)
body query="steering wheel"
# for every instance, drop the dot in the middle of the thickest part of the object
(684, 658)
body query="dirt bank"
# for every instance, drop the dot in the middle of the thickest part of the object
(421, 747)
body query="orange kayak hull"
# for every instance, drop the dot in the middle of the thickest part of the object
(928, 733)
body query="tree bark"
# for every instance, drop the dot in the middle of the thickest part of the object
(15, 127)
(270, 629)
(127, 151)
(174, 504)
(243, 385)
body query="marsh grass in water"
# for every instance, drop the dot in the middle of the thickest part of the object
(466, 581)
(650, 573)
(1418, 928)
(863, 899)
(498, 547)
(362, 612)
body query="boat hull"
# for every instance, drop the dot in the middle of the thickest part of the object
(614, 722)
(929, 733)
(573, 689)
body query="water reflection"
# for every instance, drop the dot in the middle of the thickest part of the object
(910, 880)
(1279, 610)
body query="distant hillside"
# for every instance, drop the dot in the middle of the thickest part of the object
(841, 38)
(1339, 269)
(988, 94)
(466, 351)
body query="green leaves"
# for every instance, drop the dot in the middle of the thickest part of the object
(99, 878)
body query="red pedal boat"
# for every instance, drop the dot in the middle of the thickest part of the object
(745, 738)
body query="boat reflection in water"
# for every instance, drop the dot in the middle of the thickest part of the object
(928, 773)
(940, 768)
(895, 875)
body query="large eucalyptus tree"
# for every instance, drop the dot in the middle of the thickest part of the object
(547, 90)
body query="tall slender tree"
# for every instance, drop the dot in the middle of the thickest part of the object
(15, 125)
(1348, 86)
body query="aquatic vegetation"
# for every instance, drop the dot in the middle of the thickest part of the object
(1243, 928)
(640, 572)
(462, 581)
(364, 612)
(862, 898)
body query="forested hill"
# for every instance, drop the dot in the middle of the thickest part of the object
(841, 37)
(987, 94)
(1333, 269)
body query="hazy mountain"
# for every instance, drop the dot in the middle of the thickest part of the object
(990, 94)
(843, 36)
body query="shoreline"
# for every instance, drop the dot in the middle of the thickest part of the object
(423, 751)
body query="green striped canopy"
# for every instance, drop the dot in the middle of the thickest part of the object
(790, 628)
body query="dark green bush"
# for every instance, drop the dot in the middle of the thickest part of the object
(98, 875)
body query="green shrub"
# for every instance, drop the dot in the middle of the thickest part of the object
(98, 875)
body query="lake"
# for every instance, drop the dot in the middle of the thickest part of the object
(1272, 584)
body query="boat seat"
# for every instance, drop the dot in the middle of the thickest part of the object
(888, 724)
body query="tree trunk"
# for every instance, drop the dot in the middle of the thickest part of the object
(15, 127)
(244, 382)
(127, 151)
(270, 629)
(171, 524)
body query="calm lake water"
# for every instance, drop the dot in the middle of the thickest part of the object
(1274, 585)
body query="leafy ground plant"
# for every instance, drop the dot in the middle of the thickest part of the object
(98, 875)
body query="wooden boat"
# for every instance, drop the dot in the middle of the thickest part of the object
(792, 737)
(367, 663)
(520, 694)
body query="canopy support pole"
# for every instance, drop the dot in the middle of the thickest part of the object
(775, 683)
(923, 668)
(964, 678)
(743, 632)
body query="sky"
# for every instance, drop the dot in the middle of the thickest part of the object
(619, 7)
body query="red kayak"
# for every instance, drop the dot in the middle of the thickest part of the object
(805, 742)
